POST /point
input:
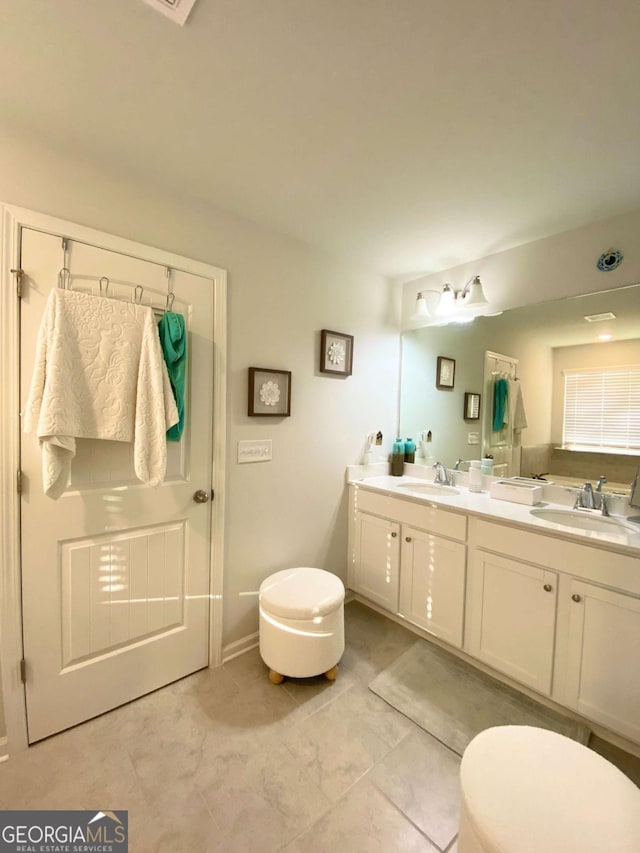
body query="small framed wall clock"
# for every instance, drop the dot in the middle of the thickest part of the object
(269, 392)
(336, 353)
(445, 372)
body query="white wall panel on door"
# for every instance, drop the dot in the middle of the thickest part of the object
(115, 574)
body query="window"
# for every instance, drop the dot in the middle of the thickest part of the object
(602, 409)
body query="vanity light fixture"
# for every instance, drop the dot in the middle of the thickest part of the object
(449, 305)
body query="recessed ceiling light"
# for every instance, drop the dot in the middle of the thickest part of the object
(605, 337)
(598, 318)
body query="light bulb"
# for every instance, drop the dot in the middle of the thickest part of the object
(447, 304)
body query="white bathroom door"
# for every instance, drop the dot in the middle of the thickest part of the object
(498, 443)
(115, 574)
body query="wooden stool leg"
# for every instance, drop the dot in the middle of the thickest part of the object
(275, 677)
(332, 673)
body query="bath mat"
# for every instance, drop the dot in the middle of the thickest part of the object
(453, 701)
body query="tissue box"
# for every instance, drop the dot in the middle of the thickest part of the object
(519, 493)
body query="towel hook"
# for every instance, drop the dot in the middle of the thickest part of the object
(170, 298)
(104, 286)
(137, 294)
(64, 279)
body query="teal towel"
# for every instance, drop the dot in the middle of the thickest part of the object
(173, 338)
(500, 392)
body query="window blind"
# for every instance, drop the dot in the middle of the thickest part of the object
(602, 408)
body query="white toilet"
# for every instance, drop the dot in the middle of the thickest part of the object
(301, 623)
(529, 790)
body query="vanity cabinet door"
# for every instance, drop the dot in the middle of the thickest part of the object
(377, 559)
(511, 613)
(603, 657)
(432, 580)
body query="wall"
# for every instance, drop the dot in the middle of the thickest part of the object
(291, 511)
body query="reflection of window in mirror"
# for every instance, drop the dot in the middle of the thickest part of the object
(600, 410)
(471, 406)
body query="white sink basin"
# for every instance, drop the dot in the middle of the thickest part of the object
(427, 489)
(585, 521)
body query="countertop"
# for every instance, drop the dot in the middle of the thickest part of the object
(376, 478)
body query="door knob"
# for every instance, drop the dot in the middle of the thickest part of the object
(201, 497)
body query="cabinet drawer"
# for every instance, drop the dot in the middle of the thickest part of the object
(584, 561)
(425, 516)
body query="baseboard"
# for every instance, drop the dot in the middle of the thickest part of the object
(239, 647)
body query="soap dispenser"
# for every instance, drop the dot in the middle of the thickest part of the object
(409, 450)
(397, 458)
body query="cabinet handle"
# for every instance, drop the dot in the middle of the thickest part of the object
(393, 535)
(407, 539)
(547, 587)
(576, 597)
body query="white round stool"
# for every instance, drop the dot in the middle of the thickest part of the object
(528, 790)
(301, 623)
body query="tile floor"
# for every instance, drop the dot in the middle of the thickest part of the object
(226, 761)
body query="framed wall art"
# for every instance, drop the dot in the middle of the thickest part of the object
(471, 406)
(445, 372)
(269, 392)
(336, 353)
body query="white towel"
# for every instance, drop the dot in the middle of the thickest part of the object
(517, 416)
(99, 373)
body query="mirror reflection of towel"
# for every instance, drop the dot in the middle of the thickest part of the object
(518, 417)
(500, 397)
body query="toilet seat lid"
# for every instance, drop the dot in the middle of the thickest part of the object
(301, 593)
(529, 790)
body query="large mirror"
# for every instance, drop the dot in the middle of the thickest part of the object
(541, 345)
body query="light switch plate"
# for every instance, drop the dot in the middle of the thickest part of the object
(255, 451)
(473, 438)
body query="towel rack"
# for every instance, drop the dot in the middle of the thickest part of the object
(65, 282)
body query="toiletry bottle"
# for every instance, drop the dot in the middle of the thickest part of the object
(486, 466)
(397, 458)
(409, 450)
(475, 476)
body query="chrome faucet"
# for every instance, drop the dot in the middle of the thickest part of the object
(441, 477)
(601, 481)
(459, 462)
(585, 498)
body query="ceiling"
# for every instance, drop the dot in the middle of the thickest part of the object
(410, 135)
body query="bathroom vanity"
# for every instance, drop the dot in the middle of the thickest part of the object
(550, 606)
